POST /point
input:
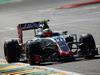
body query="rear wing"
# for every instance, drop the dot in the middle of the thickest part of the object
(28, 26)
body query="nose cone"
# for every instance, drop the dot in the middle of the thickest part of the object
(66, 53)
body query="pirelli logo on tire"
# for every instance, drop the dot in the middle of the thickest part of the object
(19, 69)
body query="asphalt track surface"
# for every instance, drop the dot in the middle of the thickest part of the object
(79, 20)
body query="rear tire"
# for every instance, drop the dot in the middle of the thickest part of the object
(12, 51)
(88, 45)
(34, 49)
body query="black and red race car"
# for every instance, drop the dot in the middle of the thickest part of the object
(52, 48)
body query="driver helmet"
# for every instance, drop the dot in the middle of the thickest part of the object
(47, 32)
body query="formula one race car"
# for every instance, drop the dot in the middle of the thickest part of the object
(47, 45)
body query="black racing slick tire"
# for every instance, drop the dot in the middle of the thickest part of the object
(12, 51)
(34, 49)
(88, 45)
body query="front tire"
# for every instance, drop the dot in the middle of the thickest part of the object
(88, 45)
(34, 49)
(12, 51)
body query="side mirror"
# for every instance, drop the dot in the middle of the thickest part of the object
(65, 32)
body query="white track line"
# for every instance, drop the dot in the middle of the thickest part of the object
(97, 46)
(3, 60)
(75, 21)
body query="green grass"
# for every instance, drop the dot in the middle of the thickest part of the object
(3, 1)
